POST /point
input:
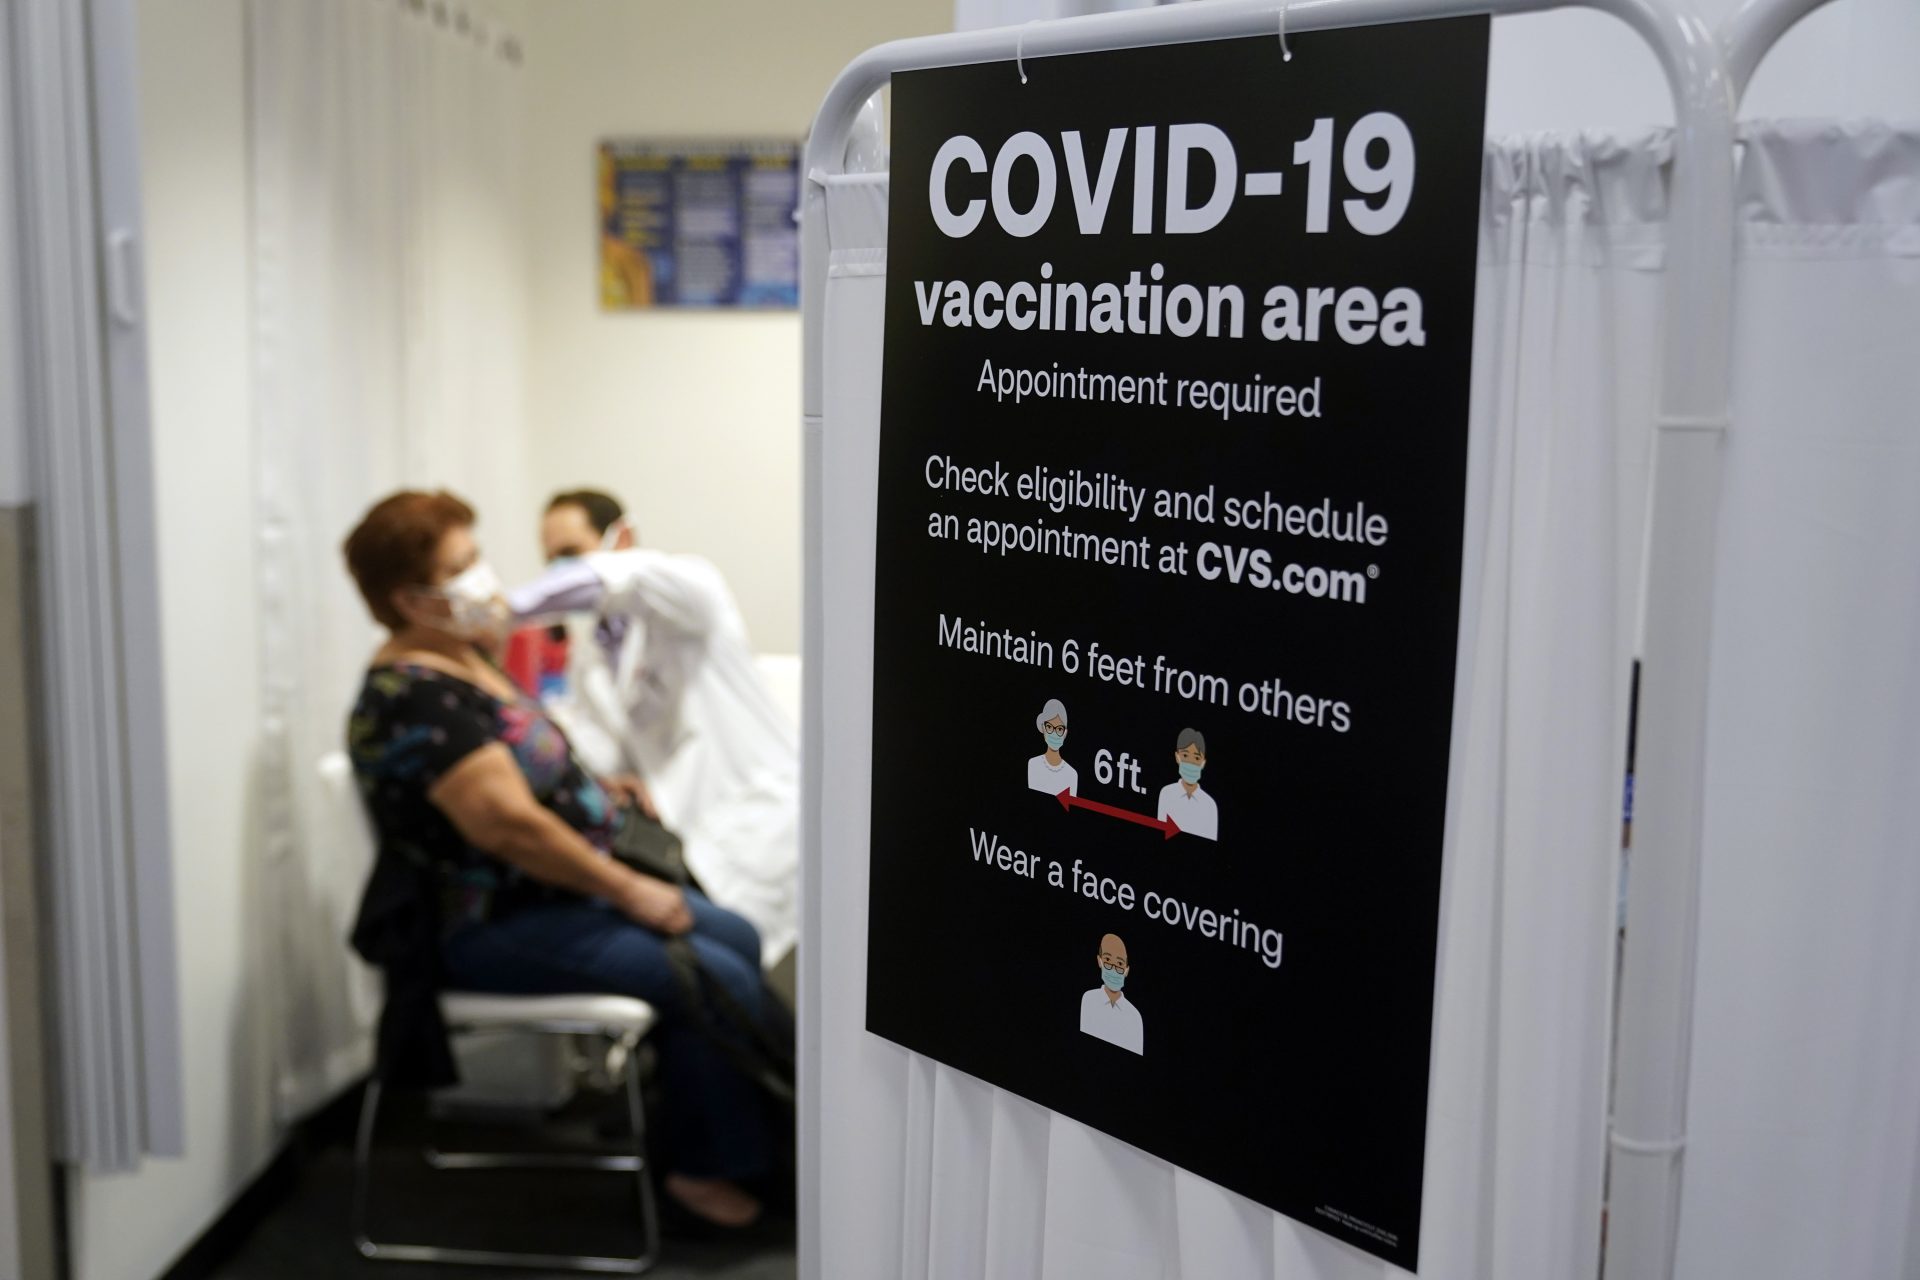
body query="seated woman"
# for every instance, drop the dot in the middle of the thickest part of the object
(468, 781)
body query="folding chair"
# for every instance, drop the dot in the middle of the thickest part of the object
(624, 1023)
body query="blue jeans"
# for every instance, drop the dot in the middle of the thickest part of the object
(716, 1120)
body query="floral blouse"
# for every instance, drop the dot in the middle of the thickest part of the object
(410, 727)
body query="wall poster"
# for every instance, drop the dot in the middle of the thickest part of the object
(699, 224)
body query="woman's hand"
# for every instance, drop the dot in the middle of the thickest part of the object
(657, 905)
(487, 799)
(629, 789)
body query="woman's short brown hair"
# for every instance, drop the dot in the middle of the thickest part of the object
(394, 544)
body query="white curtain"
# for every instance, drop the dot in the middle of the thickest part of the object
(387, 353)
(1803, 1143)
(925, 1172)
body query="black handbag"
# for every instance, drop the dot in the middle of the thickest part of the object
(647, 845)
(756, 1046)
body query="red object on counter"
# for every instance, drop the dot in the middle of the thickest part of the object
(522, 662)
(536, 660)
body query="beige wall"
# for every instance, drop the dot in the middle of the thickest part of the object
(692, 418)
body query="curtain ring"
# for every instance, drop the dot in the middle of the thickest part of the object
(1286, 54)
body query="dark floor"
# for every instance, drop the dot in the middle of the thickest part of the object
(306, 1235)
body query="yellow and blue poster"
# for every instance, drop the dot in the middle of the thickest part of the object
(699, 224)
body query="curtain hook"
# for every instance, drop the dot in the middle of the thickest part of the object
(1020, 49)
(1286, 54)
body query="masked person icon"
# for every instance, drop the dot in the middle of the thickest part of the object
(1104, 1012)
(1191, 808)
(1047, 771)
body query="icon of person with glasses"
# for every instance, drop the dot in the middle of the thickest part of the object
(1104, 1012)
(1047, 771)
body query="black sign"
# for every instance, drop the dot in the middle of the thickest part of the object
(1172, 476)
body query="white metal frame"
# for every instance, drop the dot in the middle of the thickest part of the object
(1653, 1052)
(1693, 417)
(1753, 30)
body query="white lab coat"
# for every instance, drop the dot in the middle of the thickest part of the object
(683, 705)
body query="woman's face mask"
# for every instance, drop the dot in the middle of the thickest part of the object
(475, 608)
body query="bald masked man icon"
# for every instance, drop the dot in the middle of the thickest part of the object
(1104, 1011)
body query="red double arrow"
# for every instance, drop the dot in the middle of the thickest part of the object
(1070, 802)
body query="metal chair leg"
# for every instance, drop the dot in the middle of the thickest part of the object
(649, 1217)
(643, 1176)
(363, 1166)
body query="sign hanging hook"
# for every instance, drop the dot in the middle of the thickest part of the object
(1286, 54)
(1020, 50)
